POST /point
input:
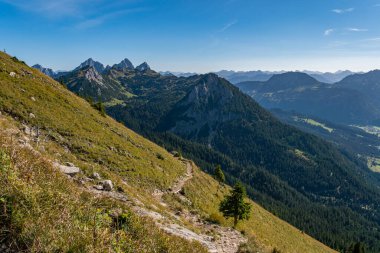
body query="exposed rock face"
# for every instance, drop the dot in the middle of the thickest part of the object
(93, 75)
(68, 169)
(124, 65)
(91, 63)
(143, 67)
(200, 109)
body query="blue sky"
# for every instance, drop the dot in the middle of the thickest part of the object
(201, 36)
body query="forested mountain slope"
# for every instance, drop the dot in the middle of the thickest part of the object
(297, 176)
(339, 103)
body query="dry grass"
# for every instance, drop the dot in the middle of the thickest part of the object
(44, 211)
(71, 122)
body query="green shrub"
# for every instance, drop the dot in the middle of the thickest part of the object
(100, 107)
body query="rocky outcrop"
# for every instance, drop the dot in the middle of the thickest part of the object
(92, 74)
(107, 185)
(68, 169)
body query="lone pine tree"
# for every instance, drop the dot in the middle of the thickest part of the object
(234, 206)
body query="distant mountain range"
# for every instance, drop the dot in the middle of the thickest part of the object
(354, 100)
(244, 76)
(258, 75)
(232, 76)
(325, 95)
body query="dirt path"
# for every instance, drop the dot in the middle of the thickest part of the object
(218, 239)
(180, 183)
(215, 238)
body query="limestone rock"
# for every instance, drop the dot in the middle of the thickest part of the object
(107, 185)
(29, 131)
(98, 187)
(68, 170)
(96, 176)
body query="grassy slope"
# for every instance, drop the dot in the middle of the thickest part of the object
(73, 131)
(43, 211)
(262, 228)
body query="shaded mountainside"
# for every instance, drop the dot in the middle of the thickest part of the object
(42, 124)
(354, 139)
(368, 84)
(303, 94)
(297, 176)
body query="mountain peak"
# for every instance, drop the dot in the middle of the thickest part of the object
(37, 66)
(143, 67)
(293, 76)
(290, 80)
(368, 78)
(124, 64)
(46, 71)
(91, 63)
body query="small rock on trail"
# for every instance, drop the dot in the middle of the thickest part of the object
(107, 185)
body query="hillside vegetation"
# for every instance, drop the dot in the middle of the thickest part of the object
(297, 176)
(43, 210)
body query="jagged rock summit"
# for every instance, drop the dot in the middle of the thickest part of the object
(97, 67)
(123, 65)
(91, 63)
(143, 67)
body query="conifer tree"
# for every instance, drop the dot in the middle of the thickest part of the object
(219, 175)
(234, 206)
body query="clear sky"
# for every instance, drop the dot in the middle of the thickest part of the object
(195, 35)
